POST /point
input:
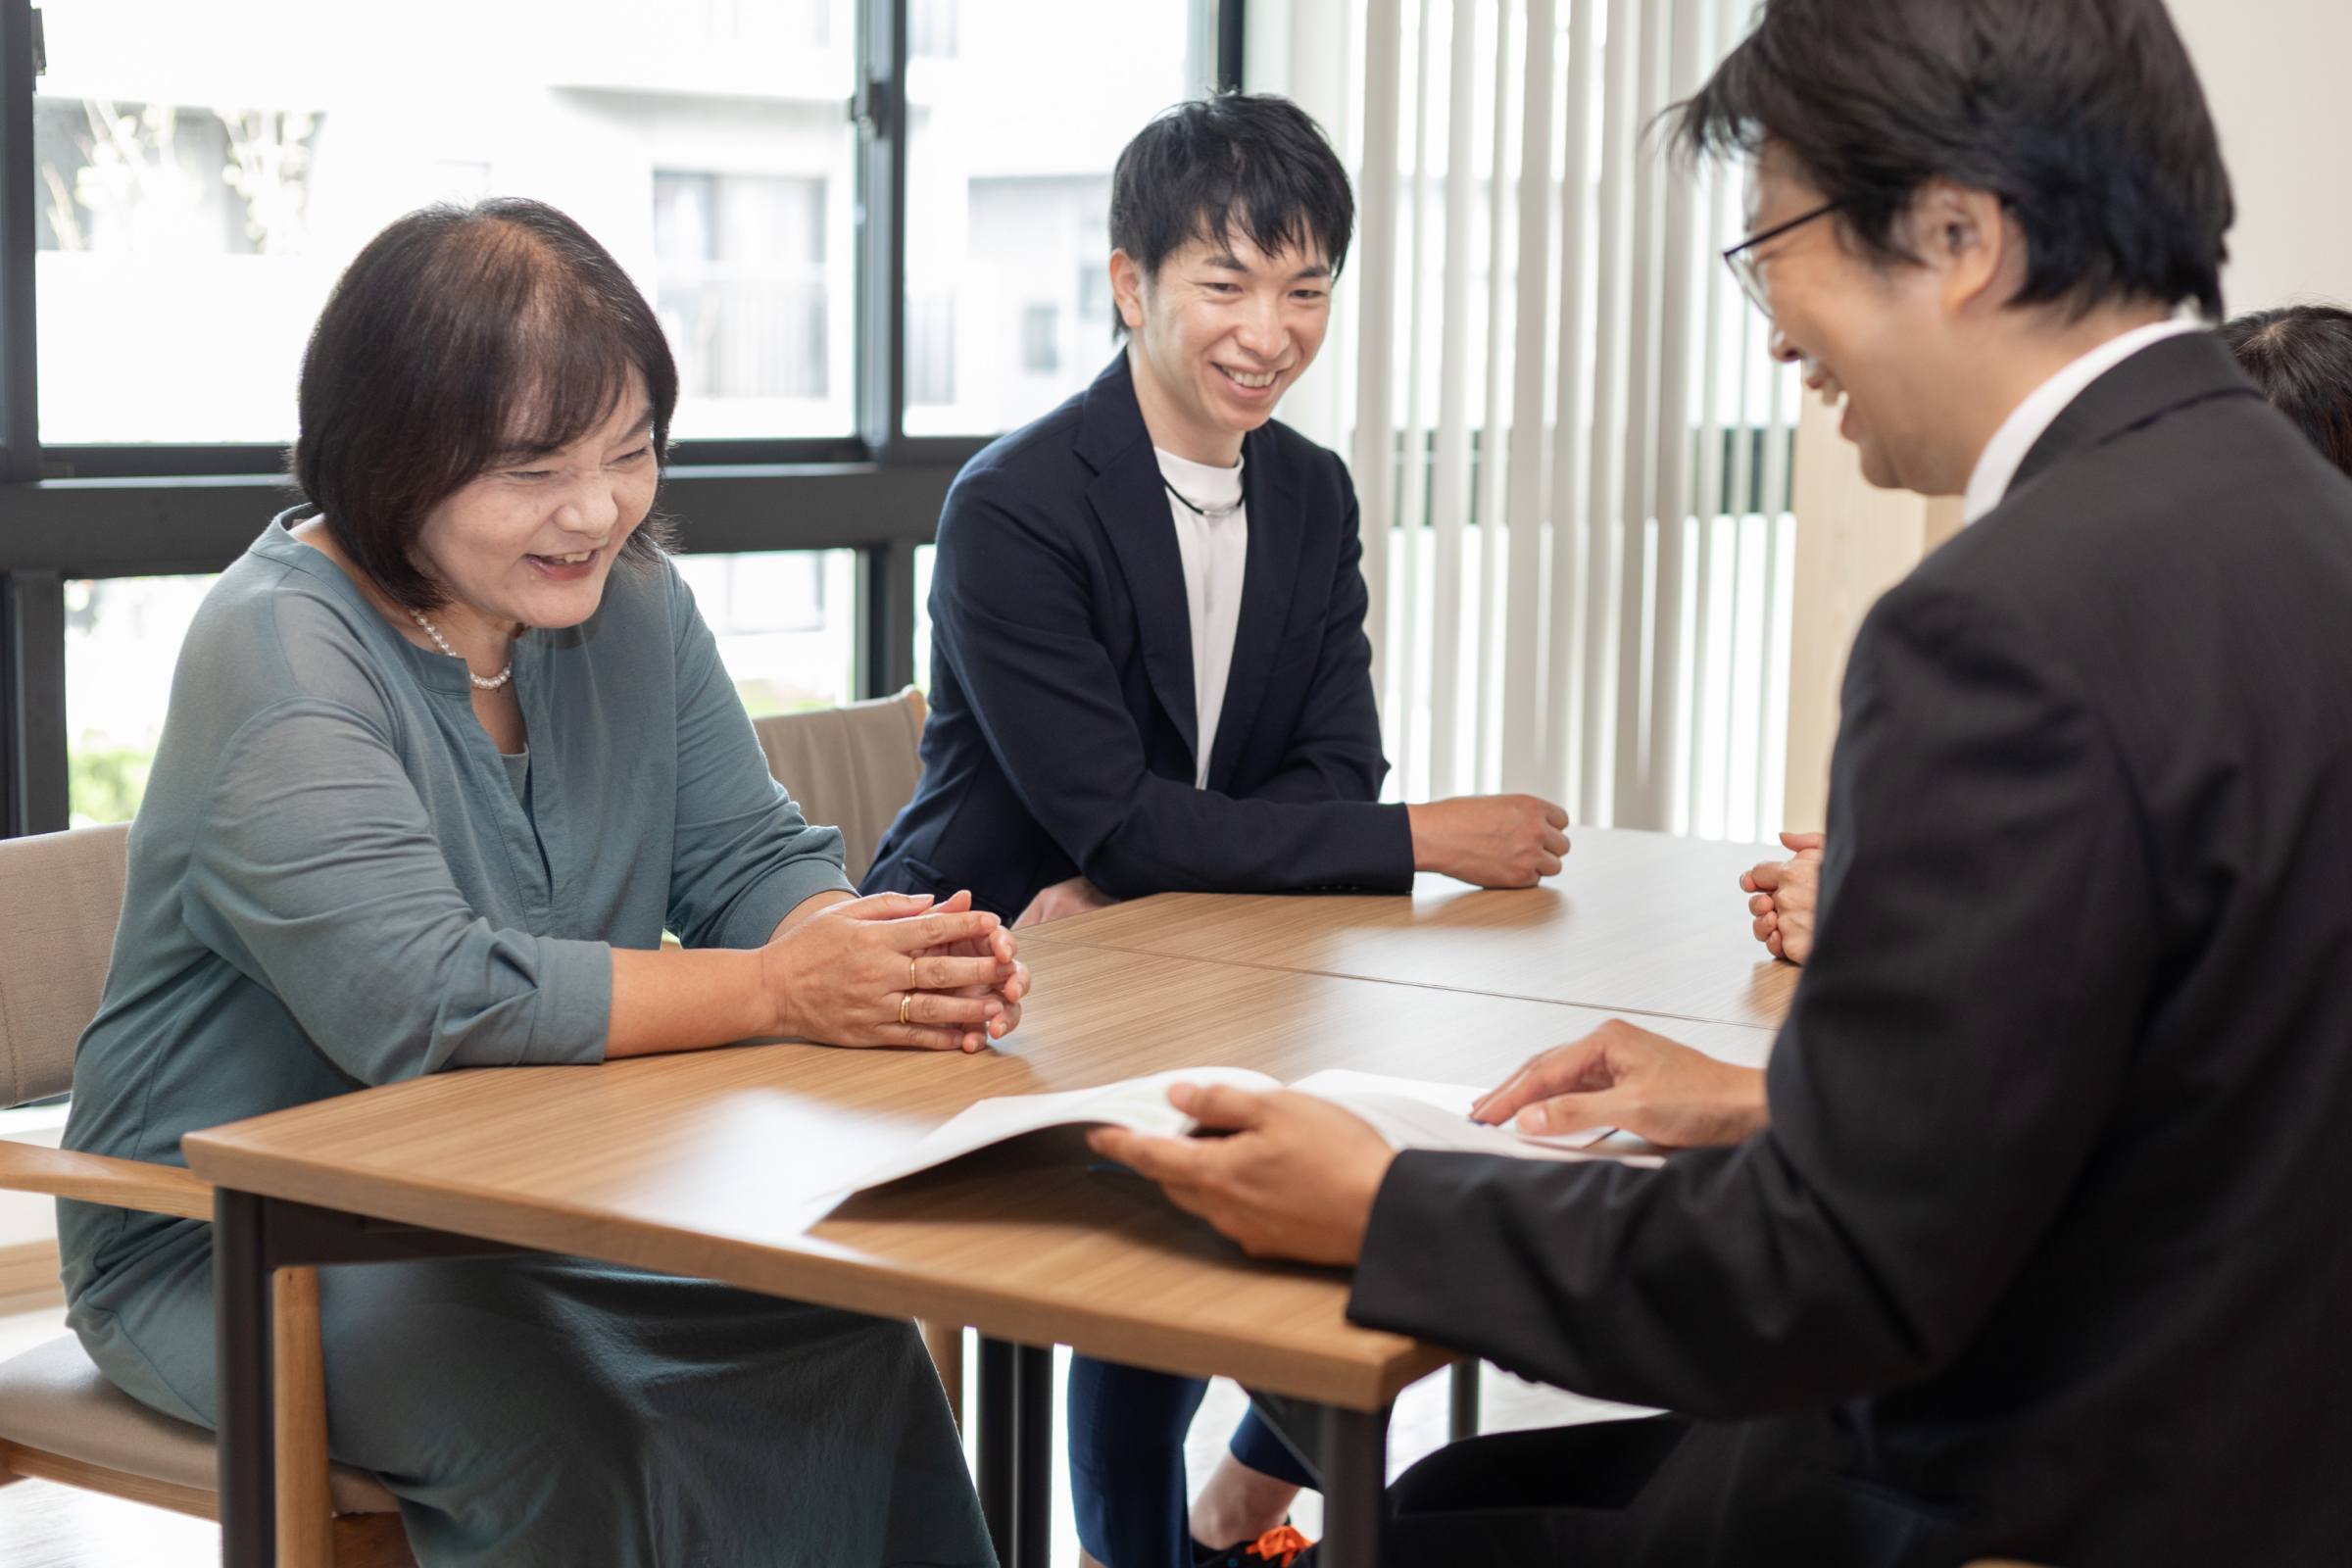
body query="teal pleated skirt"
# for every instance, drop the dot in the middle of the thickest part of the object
(549, 1410)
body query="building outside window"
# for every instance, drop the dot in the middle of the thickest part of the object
(742, 291)
(1040, 339)
(203, 173)
(1017, 110)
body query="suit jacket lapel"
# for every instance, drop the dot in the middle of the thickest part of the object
(1133, 509)
(1269, 577)
(2167, 375)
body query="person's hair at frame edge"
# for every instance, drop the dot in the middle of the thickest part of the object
(459, 338)
(2084, 117)
(1255, 164)
(2301, 357)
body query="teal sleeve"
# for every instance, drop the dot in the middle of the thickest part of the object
(316, 872)
(744, 856)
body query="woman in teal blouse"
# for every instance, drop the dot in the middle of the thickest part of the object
(448, 749)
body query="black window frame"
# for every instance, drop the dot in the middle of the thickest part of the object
(140, 511)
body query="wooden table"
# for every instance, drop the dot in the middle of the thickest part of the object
(730, 1165)
(1639, 923)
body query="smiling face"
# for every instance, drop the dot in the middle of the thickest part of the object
(1217, 337)
(1930, 349)
(1861, 328)
(532, 540)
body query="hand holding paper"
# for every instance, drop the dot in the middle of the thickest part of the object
(1296, 1179)
(1406, 1112)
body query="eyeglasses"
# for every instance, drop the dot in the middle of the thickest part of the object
(1741, 258)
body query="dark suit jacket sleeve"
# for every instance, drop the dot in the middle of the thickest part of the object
(1982, 963)
(1015, 603)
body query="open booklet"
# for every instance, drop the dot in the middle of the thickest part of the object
(1407, 1112)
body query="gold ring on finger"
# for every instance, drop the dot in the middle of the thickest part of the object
(911, 974)
(906, 1001)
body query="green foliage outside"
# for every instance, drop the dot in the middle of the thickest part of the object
(762, 698)
(105, 784)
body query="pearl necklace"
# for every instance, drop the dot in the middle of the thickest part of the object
(489, 684)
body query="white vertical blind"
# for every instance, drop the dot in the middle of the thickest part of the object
(1449, 479)
(1571, 446)
(1375, 269)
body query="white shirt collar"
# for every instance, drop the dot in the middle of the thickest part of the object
(2027, 423)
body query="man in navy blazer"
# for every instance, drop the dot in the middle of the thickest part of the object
(1065, 744)
(1149, 672)
(1063, 730)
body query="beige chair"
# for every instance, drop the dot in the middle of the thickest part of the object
(850, 767)
(854, 768)
(61, 895)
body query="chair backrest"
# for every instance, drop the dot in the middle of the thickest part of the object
(61, 895)
(850, 767)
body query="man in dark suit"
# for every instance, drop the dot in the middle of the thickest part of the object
(2029, 1242)
(2301, 357)
(1149, 672)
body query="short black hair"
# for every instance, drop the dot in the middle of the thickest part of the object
(2084, 117)
(457, 337)
(1251, 162)
(2301, 357)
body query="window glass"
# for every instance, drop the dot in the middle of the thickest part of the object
(1017, 110)
(204, 172)
(785, 621)
(926, 557)
(123, 637)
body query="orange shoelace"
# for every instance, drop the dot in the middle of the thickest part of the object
(1280, 1544)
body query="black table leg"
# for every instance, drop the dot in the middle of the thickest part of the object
(244, 1384)
(253, 1237)
(1464, 1419)
(1033, 1463)
(1355, 1475)
(995, 1423)
(1016, 1437)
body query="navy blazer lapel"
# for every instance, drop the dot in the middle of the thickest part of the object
(1132, 506)
(1269, 581)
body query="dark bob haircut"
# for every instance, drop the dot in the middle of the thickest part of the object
(2084, 117)
(459, 338)
(2301, 357)
(1256, 164)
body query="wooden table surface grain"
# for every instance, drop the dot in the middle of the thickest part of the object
(732, 1164)
(1639, 923)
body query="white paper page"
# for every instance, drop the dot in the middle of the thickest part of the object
(1415, 1114)
(1139, 1104)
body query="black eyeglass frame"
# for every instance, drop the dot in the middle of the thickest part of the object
(1742, 262)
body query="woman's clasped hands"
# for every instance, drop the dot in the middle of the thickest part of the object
(896, 969)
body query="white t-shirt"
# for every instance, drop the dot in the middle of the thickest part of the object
(1215, 550)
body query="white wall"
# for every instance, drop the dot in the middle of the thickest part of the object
(2274, 76)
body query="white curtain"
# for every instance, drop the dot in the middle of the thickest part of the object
(1571, 447)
